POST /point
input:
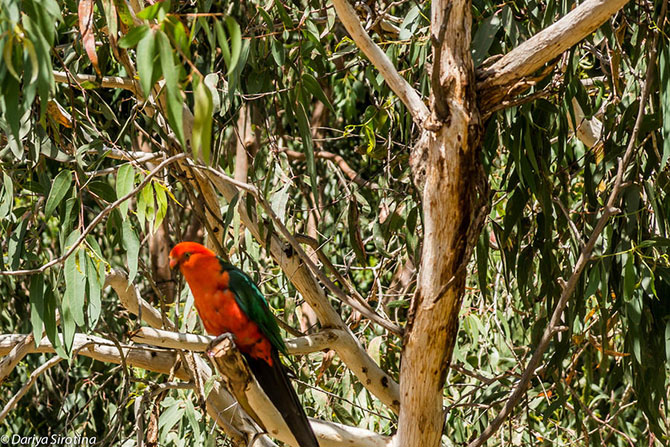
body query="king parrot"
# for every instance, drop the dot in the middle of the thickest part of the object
(227, 300)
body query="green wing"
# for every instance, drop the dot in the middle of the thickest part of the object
(253, 303)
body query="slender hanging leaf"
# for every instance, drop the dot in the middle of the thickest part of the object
(313, 86)
(37, 306)
(235, 42)
(484, 37)
(308, 146)
(223, 42)
(155, 11)
(132, 246)
(355, 240)
(146, 198)
(171, 75)
(49, 319)
(161, 204)
(6, 196)
(94, 284)
(75, 281)
(146, 62)
(134, 36)
(125, 181)
(202, 123)
(86, 28)
(15, 248)
(61, 186)
(664, 84)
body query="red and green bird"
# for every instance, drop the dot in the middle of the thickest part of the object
(227, 300)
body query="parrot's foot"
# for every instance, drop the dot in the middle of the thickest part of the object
(225, 336)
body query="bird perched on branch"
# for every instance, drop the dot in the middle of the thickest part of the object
(228, 301)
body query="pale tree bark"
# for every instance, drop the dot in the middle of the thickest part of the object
(504, 78)
(320, 341)
(446, 169)
(445, 165)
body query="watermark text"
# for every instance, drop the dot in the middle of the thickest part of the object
(54, 440)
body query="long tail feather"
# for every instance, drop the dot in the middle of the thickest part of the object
(275, 384)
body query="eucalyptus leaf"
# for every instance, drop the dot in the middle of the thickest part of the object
(37, 314)
(202, 123)
(125, 181)
(132, 245)
(59, 189)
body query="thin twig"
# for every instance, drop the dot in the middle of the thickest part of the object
(149, 392)
(337, 159)
(26, 386)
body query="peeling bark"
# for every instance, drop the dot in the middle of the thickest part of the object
(445, 166)
(505, 76)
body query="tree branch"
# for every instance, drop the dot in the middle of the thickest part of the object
(361, 307)
(335, 158)
(496, 81)
(104, 82)
(447, 171)
(230, 363)
(307, 344)
(103, 350)
(18, 352)
(398, 84)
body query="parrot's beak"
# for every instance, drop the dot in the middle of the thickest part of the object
(173, 262)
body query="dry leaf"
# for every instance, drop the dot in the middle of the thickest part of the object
(86, 30)
(57, 113)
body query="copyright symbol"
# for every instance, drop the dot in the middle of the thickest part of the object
(4, 439)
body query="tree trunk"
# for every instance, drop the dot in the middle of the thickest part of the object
(446, 167)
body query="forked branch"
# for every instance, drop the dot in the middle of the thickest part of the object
(497, 80)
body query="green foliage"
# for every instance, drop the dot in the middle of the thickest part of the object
(27, 34)
(330, 152)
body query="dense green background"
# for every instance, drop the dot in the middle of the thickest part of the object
(307, 89)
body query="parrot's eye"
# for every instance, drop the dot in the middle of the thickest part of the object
(187, 255)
